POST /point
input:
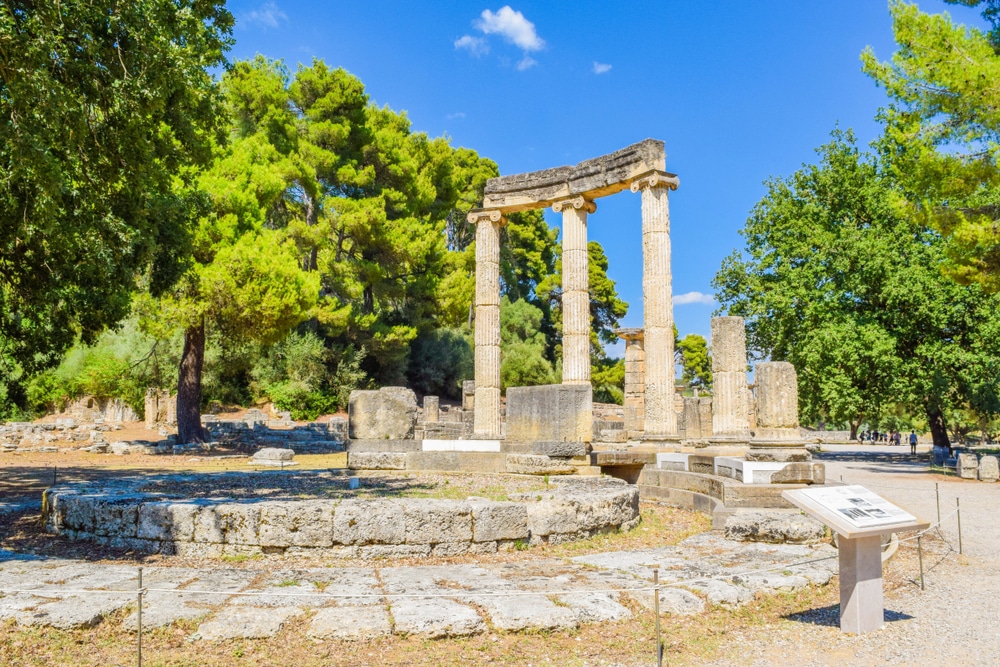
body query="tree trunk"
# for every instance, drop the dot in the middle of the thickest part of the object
(854, 430)
(189, 428)
(939, 430)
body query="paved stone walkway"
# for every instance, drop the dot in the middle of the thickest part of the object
(431, 600)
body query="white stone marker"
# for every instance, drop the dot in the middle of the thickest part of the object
(859, 517)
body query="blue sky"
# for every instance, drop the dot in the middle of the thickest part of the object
(738, 91)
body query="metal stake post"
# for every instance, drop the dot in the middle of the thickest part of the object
(139, 618)
(920, 556)
(54, 474)
(937, 496)
(656, 607)
(958, 514)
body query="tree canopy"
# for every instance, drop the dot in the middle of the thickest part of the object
(106, 110)
(942, 132)
(837, 281)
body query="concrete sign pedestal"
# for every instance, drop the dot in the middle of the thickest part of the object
(859, 517)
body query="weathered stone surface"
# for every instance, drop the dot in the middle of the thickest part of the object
(552, 518)
(730, 412)
(75, 611)
(967, 466)
(353, 623)
(274, 454)
(552, 413)
(635, 381)
(989, 471)
(434, 521)
(533, 464)
(388, 413)
(777, 402)
(492, 521)
(376, 460)
(799, 473)
(369, 522)
(432, 409)
(246, 623)
(774, 528)
(306, 523)
(596, 177)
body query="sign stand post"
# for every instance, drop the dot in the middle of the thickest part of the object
(859, 517)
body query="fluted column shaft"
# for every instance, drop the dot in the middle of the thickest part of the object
(730, 411)
(486, 420)
(576, 289)
(658, 316)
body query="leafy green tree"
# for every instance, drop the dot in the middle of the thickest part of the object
(246, 284)
(835, 280)
(439, 361)
(695, 360)
(607, 376)
(942, 133)
(106, 108)
(522, 344)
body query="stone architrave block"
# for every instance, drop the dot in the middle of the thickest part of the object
(552, 413)
(798, 473)
(389, 413)
(989, 470)
(493, 521)
(967, 466)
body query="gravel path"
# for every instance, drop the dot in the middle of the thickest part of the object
(955, 621)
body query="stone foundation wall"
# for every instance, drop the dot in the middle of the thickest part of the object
(119, 516)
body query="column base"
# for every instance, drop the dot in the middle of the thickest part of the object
(668, 442)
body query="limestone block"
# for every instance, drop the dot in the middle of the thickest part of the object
(799, 473)
(167, 521)
(729, 345)
(559, 449)
(534, 464)
(967, 466)
(117, 517)
(434, 521)
(492, 521)
(274, 454)
(776, 528)
(389, 413)
(366, 522)
(75, 512)
(989, 471)
(376, 460)
(468, 394)
(432, 409)
(306, 524)
(239, 522)
(552, 518)
(554, 413)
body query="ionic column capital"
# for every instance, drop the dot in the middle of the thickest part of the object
(477, 215)
(577, 202)
(655, 179)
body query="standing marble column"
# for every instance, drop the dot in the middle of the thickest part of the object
(635, 382)
(730, 412)
(486, 421)
(576, 289)
(777, 436)
(657, 305)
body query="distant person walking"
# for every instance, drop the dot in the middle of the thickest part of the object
(913, 442)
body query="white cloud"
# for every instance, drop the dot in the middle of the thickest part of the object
(268, 15)
(457, 114)
(693, 297)
(477, 46)
(512, 26)
(601, 68)
(526, 62)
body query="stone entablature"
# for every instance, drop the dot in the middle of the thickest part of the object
(119, 514)
(597, 177)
